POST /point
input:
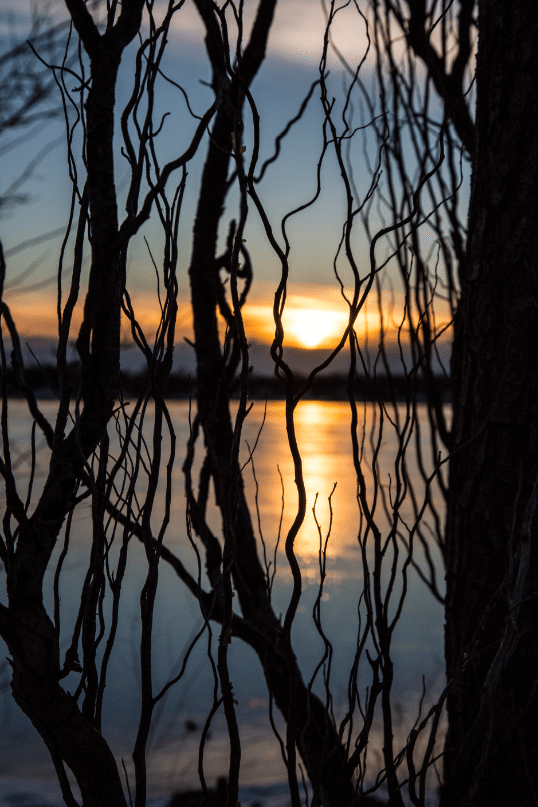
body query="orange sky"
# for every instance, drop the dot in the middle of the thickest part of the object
(315, 318)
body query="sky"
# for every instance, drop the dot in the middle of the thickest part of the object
(316, 312)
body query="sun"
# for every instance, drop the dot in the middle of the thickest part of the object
(309, 322)
(311, 327)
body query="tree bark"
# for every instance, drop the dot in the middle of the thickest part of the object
(491, 747)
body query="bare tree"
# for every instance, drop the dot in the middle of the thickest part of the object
(27, 95)
(491, 490)
(409, 193)
(72, 734)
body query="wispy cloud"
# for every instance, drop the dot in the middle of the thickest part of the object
(299, 28)
(296, 35)
(297, 31)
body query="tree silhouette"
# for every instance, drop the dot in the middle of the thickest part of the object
(417, 138)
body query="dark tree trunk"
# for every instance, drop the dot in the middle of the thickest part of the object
(30, 635)
(315, 734)
(492, 642)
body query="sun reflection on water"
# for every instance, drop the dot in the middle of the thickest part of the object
(321, 430)
(317, 442)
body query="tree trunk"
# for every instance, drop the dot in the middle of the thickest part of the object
(321, 750)
(314, 732)
(30, 635)
(491, 642)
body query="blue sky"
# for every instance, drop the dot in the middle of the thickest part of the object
(291, 65)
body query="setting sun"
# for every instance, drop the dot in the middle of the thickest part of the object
(309, 321)
(312, 326)
(314, 320)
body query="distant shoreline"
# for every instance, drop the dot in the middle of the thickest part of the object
(182, 386)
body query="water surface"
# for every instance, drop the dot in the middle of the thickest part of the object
(323, 437)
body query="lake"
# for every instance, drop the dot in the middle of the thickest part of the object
(323, 436)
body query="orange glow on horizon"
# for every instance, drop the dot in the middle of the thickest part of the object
(309, 322)
(35, 315)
